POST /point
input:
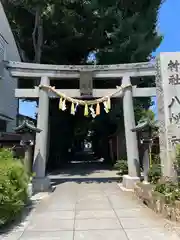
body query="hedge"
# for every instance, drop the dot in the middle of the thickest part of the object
(13, 186)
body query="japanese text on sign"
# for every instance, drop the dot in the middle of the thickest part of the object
(175, 117)
(174, 79)
(174, 68)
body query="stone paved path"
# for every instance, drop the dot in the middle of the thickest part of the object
(91, 211)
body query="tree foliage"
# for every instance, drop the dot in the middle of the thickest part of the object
(13, 186)
(66, 31)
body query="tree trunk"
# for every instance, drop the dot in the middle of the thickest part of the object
(37, 35)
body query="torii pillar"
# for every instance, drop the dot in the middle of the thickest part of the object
(41, 182)
(131, 137)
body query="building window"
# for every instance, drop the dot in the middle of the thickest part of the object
(2, 47)
(3, 44)
(3, 125)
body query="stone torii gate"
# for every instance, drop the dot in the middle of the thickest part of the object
(48, 72)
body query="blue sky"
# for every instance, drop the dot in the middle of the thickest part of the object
(168, 25)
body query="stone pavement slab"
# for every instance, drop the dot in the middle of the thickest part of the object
(100, 235)
(91, 211)
(54, 235)
(93, 214)
(97, 224)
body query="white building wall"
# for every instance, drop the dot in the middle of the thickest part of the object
(8, 103)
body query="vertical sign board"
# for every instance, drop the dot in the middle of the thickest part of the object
(86, 83)
(168, 99)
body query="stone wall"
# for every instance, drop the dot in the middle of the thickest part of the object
(156, 202)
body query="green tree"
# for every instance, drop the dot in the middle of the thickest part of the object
(65, 31)
(121, 31)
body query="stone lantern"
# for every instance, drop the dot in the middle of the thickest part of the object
(145, 130)
(28, 132)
